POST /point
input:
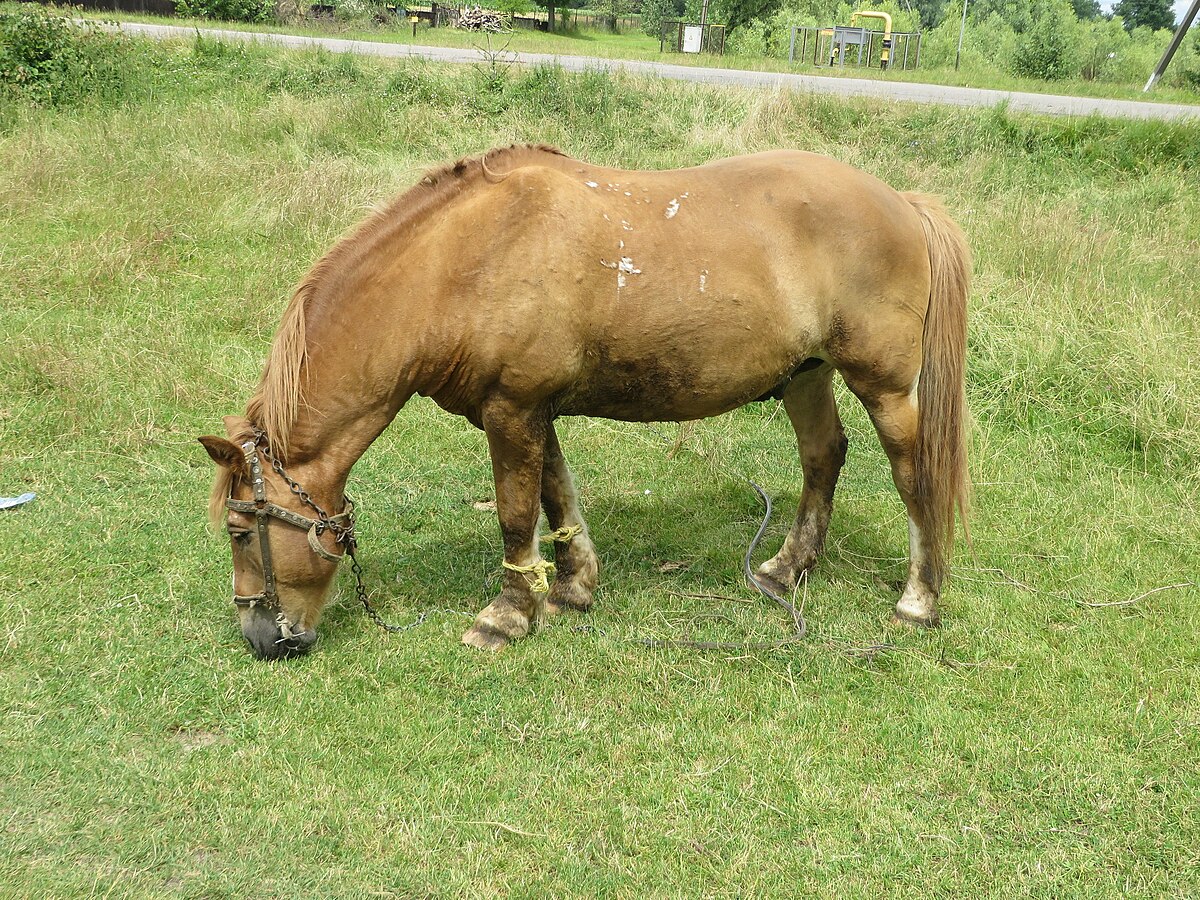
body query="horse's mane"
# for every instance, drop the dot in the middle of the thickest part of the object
(276, 402)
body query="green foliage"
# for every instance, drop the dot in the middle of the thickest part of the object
(1153, 14)
(987, 45)
(655, 12)
(736, 13)
(511, 8)
(1187, 63)
(931, 12)
(613, 9)
(1018, 14)
(49, 59)
(1048, 50)
(227, 10)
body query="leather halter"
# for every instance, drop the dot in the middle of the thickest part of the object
(342, 525)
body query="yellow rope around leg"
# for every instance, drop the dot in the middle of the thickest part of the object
(539, 570)
(563, 535)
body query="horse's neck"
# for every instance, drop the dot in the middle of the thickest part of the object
(353, 388)
(333, 429)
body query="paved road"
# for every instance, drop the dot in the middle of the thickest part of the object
(1050, 104)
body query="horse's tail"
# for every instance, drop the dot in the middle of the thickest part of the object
(942, 479)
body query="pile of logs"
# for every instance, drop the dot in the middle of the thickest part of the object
(474, 18)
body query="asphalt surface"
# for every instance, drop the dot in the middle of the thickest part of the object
(1048, 104)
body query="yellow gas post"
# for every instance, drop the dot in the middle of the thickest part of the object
(887, 33)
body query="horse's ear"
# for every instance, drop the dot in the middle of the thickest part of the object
(225, 453)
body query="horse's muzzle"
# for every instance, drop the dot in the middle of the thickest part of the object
(270, 639)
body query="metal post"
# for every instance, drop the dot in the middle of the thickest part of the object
(792, 47)
(961, 29)
(1184, 25)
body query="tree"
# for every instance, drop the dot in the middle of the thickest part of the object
(1153, 14)
(931, 12)
(1086, 9)
(1018, 14)
(739, 12)
(549, 6)
(510, 8)
(655, 12)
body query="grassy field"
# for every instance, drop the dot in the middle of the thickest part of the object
(633, 44)
(1043, 743)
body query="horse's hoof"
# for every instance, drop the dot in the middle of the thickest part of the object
(483, 638)
(568, 595)
(763, 581)
(929, 619)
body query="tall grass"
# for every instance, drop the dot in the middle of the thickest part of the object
(1033, 746)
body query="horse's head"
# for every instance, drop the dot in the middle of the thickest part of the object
(286, 547)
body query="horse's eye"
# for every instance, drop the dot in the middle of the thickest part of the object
(241, 537)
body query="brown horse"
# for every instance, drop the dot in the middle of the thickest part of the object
(524, 285)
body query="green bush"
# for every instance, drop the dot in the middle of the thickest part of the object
(227, 10)
(52, 60)
(1187, 72)
(1048, 50)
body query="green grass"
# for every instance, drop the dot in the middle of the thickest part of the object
(639, 46)
(1033, 746)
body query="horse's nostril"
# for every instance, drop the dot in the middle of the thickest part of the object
(296, 645)
(267, 639)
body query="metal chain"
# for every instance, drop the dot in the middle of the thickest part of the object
(360, 591)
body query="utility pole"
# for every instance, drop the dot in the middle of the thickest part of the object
(1184, 25)
(961, 29)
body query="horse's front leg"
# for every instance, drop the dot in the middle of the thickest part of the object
(574, 555)
(516, 440)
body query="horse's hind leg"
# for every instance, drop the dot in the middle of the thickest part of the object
(893, 410)
(813, 411)
(516, 439)
(574, 555)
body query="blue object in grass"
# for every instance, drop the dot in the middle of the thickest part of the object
(9, 502)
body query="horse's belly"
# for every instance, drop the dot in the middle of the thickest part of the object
(675, 387)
